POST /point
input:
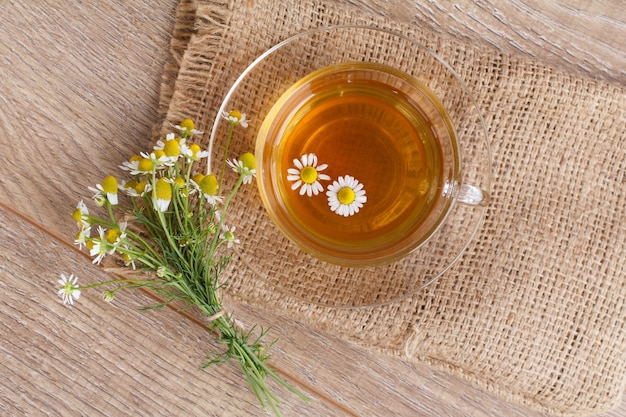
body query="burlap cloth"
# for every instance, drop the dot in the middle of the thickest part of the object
(535, 309)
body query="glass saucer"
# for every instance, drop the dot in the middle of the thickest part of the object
(272, 257)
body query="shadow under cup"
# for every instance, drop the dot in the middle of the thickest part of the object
(358, 164)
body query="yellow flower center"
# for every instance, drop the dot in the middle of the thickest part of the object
(195, 150)
(236, 114)
(145, 165)
(308, 175)
(171, 147)
(109, 185)
(163, 189)
(187, 124)
(112, 235)
(141, 187)
(180, 182)
(197, 178)
(346, 195)
(208, 185)
(134, 158)
(248, 160)
(158, 153)
(77, 215)
(132, 184)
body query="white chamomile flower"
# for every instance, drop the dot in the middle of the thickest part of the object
(142, 165)
(100, 246)
(171, 147)
(81, 215)
(82, 237)
(306, 175)
(105, 191)
(245, 165)
(131, 164)
(207, 186)
(69, 290)
(130, 188)
(346, 196)
(116, 236)
(158, 157)
(162, 195)
(133, 188)
(193, 152)
(229, 236)
(187, 128)
(235, 117)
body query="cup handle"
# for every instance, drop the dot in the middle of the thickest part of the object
(469, 194)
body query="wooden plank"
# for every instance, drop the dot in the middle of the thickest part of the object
(585, 37)
(95, 358)
(99, 359)
(79, 94)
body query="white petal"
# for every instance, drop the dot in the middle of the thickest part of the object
(296, 185)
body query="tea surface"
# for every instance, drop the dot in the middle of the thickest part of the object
(373, 132)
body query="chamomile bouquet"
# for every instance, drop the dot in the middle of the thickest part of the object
(167, 223)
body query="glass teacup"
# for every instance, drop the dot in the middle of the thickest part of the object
(429, 233)
(358, 164)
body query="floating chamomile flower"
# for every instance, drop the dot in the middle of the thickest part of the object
(306, 175)
(235, 117)
(69, 291)
(346, 196)
(245, 165)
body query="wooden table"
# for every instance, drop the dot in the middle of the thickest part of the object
(79, 87)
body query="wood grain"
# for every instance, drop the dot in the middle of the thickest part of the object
(588, 38)
(79, 87)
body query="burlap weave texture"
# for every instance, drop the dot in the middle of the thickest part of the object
(535, 309)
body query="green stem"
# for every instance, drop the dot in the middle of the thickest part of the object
(214, 243)
(141, 282)
(231, 128)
